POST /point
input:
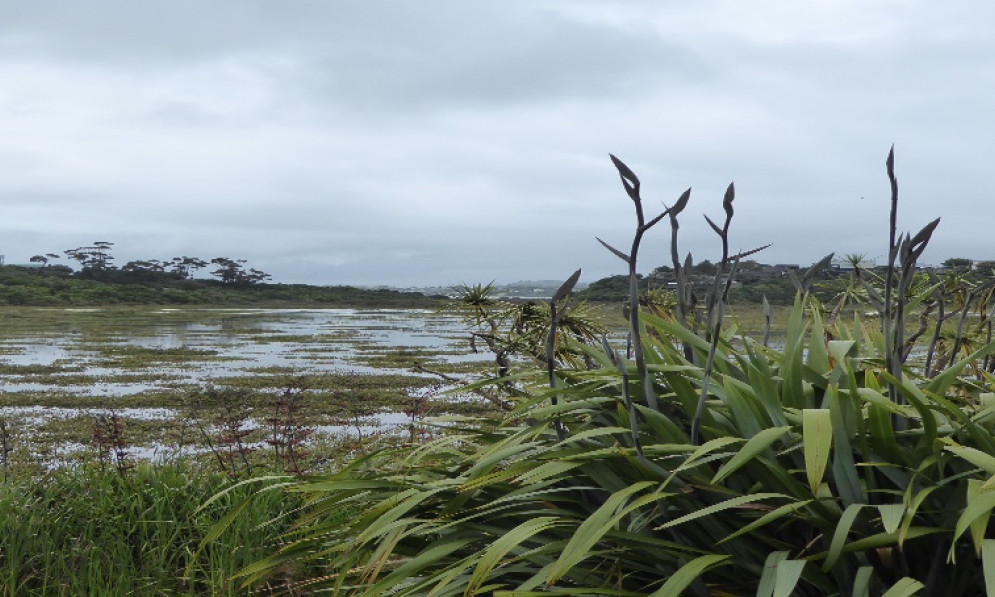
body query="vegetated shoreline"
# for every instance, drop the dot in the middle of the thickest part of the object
(62, 287)
(20, 286)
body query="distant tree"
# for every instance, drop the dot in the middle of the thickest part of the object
(986, 268)
(706, 268)
(958, 263)
(255, 276)
(144, 271)
(94, 257)
(231, 271)
(135, 266)
(79, 254)
(43, 259)
(664, 271)
(186, 266)
(101, 255)
(149, 266)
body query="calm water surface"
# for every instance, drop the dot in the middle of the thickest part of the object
(234, 342)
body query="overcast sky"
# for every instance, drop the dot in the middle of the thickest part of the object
(436, 142)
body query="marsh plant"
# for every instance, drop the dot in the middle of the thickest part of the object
(288, 435)
(88, 530)
(6, 447)
(222, 417)
(845, 462)
(110, 443)
(418, 409)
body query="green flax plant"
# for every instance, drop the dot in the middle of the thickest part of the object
(555, 318)
(956, 297)
(816, 470)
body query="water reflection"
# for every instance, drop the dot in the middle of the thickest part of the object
(234, 341)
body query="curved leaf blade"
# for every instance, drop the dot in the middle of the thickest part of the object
(756, 444)
(817, 439)
(680, 580)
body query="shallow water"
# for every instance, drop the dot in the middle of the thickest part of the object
(77, 342)
(62, 366)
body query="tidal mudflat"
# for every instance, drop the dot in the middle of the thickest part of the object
(174, 378)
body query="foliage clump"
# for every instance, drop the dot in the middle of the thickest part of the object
(856, 458)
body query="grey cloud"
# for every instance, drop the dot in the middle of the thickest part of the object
(387, 142)
(366, 56)
(538, 61)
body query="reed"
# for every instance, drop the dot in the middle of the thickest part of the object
(93, 531)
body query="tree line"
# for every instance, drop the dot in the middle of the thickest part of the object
(96, 261)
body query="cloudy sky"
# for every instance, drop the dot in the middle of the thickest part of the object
(407, 142)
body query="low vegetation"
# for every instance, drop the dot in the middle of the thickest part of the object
(94, 531)
(61, 287)
(86, 509)
(103, 493)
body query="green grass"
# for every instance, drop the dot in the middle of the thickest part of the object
(143, 357)
(89, 531)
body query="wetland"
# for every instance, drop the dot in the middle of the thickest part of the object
(184, 381)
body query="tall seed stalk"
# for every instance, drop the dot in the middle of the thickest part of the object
(714, 312)
(767, 318)
(619, 361)
(990, 315)
(940, 300)
(904, 250)
(718, 296)
(680, 274)
(631, 184)
(555, 317)
(887, 313)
